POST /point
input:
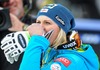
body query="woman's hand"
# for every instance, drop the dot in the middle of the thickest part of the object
(36, 29)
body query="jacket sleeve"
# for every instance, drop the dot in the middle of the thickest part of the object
(32, 55)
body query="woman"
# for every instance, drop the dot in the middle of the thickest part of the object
(54, 54)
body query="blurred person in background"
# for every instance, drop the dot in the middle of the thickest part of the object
(17, 13)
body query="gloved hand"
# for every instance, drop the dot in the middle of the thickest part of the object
(73, 35)
(14, 44)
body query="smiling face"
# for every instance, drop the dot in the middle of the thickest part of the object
(48, 25)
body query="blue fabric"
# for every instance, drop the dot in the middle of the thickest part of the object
(60, 15)
(32, 55)
(86, 60)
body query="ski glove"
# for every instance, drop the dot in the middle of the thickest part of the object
(14, 44)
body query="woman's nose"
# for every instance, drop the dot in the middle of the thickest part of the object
(42, 24)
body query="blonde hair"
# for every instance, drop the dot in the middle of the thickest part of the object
(61, 39)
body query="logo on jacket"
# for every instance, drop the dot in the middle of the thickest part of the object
(70, 45)
(55, 66)
(63, 60)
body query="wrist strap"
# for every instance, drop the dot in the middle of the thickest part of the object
(71, 44)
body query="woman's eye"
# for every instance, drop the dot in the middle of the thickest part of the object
(47, 22)
(37, 22)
